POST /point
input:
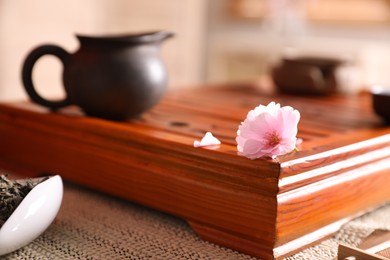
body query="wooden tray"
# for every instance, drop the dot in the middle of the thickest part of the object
(266, 208)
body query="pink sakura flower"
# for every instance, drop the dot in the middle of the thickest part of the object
(268, 131)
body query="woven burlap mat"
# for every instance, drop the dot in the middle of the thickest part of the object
(91, 226)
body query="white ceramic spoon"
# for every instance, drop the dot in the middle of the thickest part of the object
(33, 215)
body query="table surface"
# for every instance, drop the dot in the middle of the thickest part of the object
(100, 226)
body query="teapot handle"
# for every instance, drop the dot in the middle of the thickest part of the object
(28, 66)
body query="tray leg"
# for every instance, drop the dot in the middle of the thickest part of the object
(235, 241)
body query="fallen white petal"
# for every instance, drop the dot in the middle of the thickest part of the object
(207, 140)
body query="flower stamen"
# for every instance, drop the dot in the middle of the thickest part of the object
(273, 139)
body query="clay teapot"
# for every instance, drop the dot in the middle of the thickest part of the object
(307, 75)
(112, 77)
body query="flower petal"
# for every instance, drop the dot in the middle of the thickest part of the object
(251, 146)
(207, 140)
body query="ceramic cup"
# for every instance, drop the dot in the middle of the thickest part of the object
(33, 215)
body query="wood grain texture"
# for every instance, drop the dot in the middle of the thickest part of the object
(267, 208)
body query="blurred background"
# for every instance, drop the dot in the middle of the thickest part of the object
(216, 41)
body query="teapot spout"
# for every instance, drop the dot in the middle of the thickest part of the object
(163, 35)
